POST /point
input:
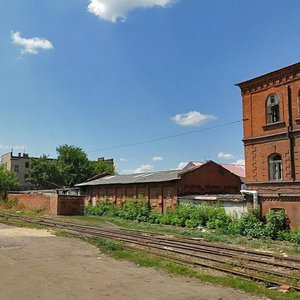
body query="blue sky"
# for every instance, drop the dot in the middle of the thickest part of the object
(103, 73)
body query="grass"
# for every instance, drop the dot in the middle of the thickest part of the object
(21, 223)
(279, 247)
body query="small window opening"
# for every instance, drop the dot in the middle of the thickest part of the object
(16, 168)
(275, 167)
(273, 109)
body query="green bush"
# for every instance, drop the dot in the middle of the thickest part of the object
(294, 236)
(217, 217)
(166, 218)
(251, 226)
(276, 222)
(191, 215)
(154, 217)
(192, 223)
(135, 209)
(291, 236)
(102, 208)
(234, 227)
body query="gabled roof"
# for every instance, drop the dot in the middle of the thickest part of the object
(160, 176)
(238, 170)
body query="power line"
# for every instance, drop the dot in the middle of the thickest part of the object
(165, 137)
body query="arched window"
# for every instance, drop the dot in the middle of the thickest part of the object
(275, 167)
(273, 109)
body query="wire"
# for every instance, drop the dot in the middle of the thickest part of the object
(165, 137)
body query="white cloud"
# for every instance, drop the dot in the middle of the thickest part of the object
(157, 158)
(114, 10)
(144, 169)
(181, 165)
(192, 118)
(122, 159)
(239, 162)
(31, 45)
(223, 155)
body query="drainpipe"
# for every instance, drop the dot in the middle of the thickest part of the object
(291, 134)
(255, 196)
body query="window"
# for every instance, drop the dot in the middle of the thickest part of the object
(273, 109)
(299, 99)
(26, 164)
(16, 168)
(275, 167)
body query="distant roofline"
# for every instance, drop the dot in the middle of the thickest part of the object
(27, 156)
(274, 75)
(219, 163)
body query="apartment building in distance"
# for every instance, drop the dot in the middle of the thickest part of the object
(20, 165)
(271, 126)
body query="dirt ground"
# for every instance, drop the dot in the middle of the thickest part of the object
(37, 265)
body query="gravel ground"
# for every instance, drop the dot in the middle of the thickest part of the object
(35, 264)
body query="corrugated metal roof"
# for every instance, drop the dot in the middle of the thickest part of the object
(134, 178)
(238, 170)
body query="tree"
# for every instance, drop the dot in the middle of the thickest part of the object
(8, 181)
(44, 173)
(73, 165)
(98, 167)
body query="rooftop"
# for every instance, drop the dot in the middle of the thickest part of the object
(134, 178)
(274, 75)
(238, 170)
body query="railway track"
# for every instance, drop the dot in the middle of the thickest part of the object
(264, 267)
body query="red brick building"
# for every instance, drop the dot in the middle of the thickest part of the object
(271, 122)
(163, 188)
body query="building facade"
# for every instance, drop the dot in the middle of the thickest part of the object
(20, 165)
(162, 189)
(271, 126)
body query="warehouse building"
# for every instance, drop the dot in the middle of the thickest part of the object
(163, 189)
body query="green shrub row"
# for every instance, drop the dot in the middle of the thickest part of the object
(193, 216)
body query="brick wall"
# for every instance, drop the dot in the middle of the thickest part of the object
(70, 205)
(210, 178)
(37, 200)
(291, 205)
(160, 195)
(54, 204)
